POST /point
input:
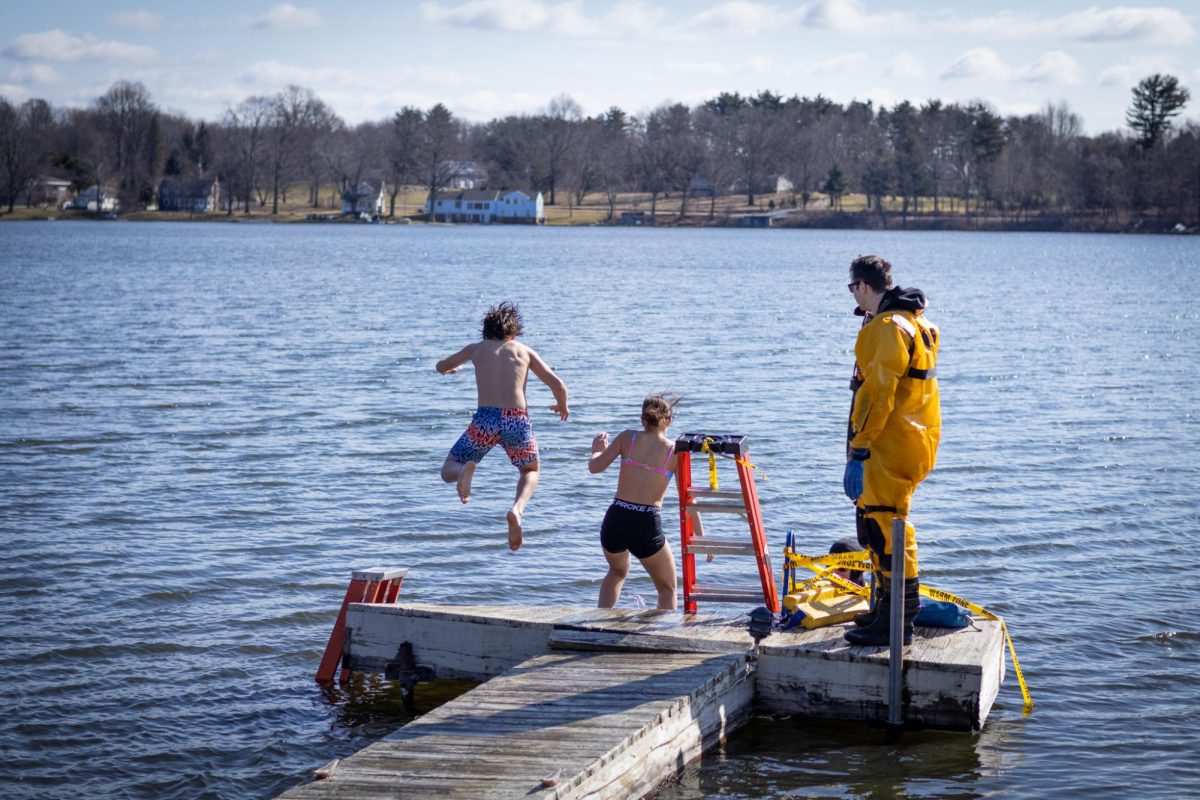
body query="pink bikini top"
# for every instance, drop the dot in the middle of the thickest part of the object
(629, 462)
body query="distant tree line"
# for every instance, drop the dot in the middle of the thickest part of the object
(935, 158)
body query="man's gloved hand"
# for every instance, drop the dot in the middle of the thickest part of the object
(852, 479)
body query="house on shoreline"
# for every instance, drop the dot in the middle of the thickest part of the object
(94, 198)
(198, 195)
(486, 207)
(366, 199)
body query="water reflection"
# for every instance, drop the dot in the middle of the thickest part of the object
(369, 706)
(792, 757)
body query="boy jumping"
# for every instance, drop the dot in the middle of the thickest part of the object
(502, 366)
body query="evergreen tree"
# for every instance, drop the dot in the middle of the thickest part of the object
(1155, 100)
(835, 186)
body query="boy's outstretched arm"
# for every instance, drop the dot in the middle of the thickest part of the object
(452, 363)
(548, 377)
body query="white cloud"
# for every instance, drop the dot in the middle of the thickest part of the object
(634, 16)
(13, 92)
(270, 75)
(1053, 67)
(487, 104)
(981, 62)
(757, 65)
(140, 20)
(1164, 25)
(58, 45)
(740, 16)
(512, 15)
(848, 16)
(35, 73)
(1019, 108)
(630, 17)
(882, 98)
(1147, 25)
(286, 16)
(835, 64)
(905, 65)
(1128, 73)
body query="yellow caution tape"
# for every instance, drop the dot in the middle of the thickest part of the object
(829, 576)
(712, 463)
(825, 566)
(975, 608)
(858, 560)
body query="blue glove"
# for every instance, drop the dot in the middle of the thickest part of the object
(852, 480)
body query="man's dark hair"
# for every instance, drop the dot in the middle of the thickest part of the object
(502, 321)
(874, 271)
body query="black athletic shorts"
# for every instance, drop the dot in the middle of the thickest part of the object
(633, 527)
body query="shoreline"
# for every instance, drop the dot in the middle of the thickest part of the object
(819, 220)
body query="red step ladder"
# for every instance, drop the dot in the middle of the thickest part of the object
(697, 501)
(376, 585)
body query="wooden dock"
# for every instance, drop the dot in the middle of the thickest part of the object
(609, 703)
(562, 725)
(951, 676)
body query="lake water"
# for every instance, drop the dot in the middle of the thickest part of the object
(205, 427)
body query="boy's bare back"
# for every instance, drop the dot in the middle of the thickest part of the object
(502, 368)
(501, 372)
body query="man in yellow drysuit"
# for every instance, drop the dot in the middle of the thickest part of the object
(895, 422)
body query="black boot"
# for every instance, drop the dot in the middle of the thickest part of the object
(912, 602)
(867, 617)
(878, 633)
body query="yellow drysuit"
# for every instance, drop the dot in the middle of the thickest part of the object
(897, 417)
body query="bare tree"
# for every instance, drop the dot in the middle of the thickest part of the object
(296, 114)
(655, 158)
(557, 130)
(127, 120)
(808, 138)
(24, 133)
(315, 161)
(246, 125)
(353, 154)
(718, 137)
(613, 155)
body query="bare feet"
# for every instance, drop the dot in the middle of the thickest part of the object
(515, 539)
(464, 481)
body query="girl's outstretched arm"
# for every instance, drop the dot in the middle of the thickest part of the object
(604, 453)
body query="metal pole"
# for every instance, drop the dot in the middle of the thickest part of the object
(896, 632)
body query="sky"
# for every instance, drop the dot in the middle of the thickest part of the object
(491, 58)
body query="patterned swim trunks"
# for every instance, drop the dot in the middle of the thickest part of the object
(491, 426)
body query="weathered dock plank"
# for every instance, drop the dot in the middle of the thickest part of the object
(606, 724)
(951, 677)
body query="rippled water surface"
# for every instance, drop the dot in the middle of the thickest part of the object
(204, 428)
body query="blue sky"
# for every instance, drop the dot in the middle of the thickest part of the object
(488, 58)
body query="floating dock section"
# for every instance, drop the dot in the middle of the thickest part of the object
(598, 703)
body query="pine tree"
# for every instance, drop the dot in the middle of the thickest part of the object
(1155, 100)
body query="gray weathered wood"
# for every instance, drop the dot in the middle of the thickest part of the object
(951, 676)
(617, 734)
(616, 641)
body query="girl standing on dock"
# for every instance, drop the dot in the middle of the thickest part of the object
(633, 523)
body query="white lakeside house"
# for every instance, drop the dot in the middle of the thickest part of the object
(486, 207)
